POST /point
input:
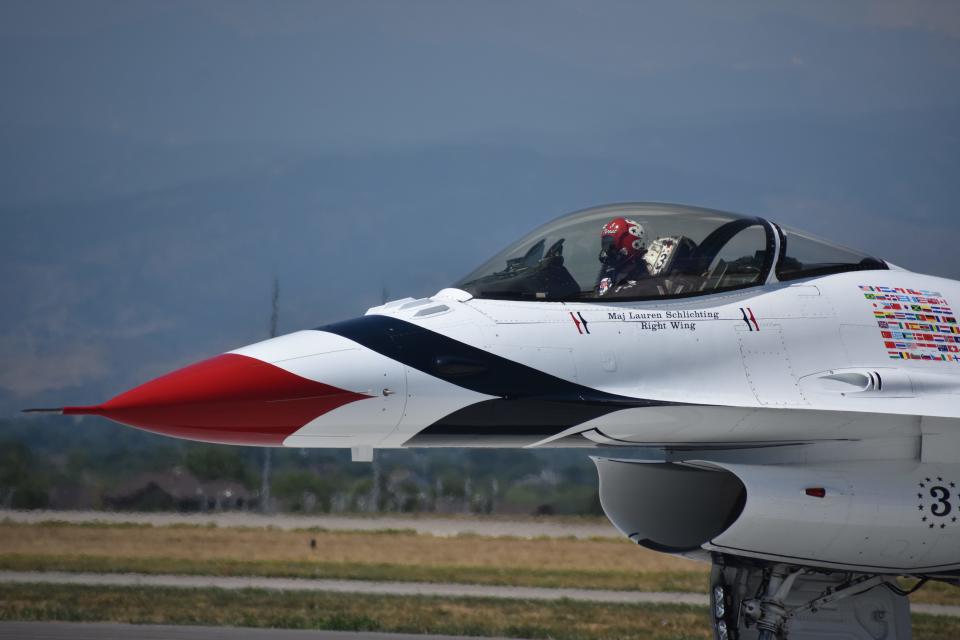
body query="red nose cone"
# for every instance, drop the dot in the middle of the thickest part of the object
(230, 399)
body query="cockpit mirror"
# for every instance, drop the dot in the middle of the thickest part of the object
(530, 259)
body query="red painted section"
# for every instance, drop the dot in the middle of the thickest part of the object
(229, 399)
(576, 322)
(753, 319)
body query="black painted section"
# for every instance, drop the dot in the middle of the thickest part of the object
(659, 548)
(470, 367)
(506, 423)
(530, 405)
(453, 367)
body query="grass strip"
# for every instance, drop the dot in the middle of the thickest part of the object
(393, 547)
(136, 518)
(500, 576)
(561, 620)
(106, 524)
(685, 582)
(257, 608)
(392, 555)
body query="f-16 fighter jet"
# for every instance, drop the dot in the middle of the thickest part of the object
(799, 401)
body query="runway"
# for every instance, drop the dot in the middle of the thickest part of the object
(450, 526)
(448, 590)
(113, 631)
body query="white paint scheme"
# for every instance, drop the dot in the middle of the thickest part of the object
(414, 398)
(808, 379)
(800, 432)
(428, 399)
(715, 424)
(808, 332)
(295, 346)
(864, 523)
(342, 363)
(940, 440)
(785, 385)
(720, 362)
(807, 375)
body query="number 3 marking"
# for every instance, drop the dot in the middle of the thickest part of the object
(942, 507)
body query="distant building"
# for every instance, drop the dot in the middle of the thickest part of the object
(177, 490)
(72, 496)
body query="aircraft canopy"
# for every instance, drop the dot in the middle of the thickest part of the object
(678, 251)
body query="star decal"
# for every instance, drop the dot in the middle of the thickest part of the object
(938, 484)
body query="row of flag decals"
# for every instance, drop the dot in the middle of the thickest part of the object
(915, 324)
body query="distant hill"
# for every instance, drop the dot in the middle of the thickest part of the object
(107, 292)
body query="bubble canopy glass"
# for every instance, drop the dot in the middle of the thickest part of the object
(686, 251)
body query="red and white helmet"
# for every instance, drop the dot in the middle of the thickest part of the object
(621, 239)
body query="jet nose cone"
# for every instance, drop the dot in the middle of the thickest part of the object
(231, 398)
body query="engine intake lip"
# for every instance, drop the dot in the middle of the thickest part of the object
(669, 507)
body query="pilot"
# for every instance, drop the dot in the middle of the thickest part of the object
(622, 249)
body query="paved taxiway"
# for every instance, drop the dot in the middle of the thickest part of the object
(350, 586)
(112, 631)
(450, 526)
(384, 588)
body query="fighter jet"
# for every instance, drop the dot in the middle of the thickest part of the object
(796, 401)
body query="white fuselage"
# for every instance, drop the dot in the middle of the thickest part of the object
(784, 363)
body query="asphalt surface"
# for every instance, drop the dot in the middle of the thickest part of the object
(384, 588)
(112, 631)
(450, 526)
(351, 586)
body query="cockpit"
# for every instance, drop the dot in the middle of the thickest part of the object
(652, 251)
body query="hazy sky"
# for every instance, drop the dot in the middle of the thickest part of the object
(161, 161)
(365, 75)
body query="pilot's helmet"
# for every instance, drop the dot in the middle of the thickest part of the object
(621, 240)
